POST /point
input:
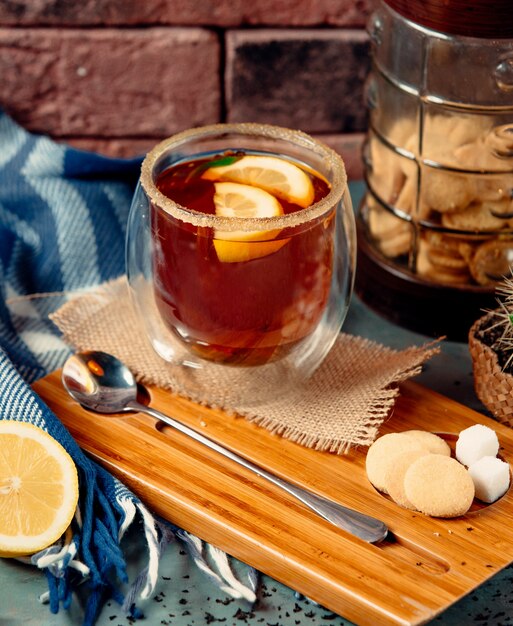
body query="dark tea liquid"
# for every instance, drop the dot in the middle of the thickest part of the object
(247, 312)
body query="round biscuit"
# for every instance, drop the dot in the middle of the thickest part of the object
(387, 177)
(383, 224)
(439, 486)
(447, 259)
(394, 477)
(453, 242)
(433, 443)
(395, 246)
(492, 261)
(476, 217)
(446, 192)
(428, 270)
(382, 455)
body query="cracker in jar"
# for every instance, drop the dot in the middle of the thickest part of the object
(407, 200)
(501, 208)
(497, 189)
(391, 233)
(443, 134)
(402, 130)
(444, 251)
(460, 245)
(467, 130)
(481, 157)
(386, 178)
(439, 273)
(383, 223)
(447, 259)
(446, 192)
(396, 246)
(492, 261)
(477, 217)
(499, 140)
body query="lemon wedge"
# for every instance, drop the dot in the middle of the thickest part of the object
(242, 201)
(277, 176)
(38, 489)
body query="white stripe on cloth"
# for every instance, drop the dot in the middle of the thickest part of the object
(14, 399)
(13, 140)
(76, 238)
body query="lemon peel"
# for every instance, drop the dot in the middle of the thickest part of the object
(279, 177)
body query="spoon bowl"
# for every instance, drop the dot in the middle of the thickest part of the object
(102, 383)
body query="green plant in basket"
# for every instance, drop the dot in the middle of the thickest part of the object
(497, 327)
(491, 349)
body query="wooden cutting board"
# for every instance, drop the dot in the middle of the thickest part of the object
(425, 566)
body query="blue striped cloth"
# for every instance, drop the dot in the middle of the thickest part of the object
(62, 228)
(63, 214)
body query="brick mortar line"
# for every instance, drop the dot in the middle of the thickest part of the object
(211, 27)
(354, 134)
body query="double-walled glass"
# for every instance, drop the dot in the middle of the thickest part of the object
(243, 309)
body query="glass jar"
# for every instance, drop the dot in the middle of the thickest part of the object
(436, 224)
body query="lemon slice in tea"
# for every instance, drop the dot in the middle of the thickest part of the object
(243, 201)
(38, 489)
(277, 176)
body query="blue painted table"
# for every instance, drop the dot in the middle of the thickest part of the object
(184, 597)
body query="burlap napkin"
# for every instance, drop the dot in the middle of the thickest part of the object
(342, 405)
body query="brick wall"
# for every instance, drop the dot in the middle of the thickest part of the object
(119, 75)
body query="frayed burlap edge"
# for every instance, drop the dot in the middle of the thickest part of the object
(342, 406)
(364, 432)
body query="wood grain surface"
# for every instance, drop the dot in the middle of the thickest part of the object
(426, 565)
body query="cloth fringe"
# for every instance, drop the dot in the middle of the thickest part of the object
(224, 578)
(59, 562)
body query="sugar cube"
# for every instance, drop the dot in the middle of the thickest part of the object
(491, 478)
(475, 442)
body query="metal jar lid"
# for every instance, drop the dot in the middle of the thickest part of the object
(492, 19)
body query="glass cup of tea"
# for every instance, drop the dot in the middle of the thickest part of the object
(241, 259)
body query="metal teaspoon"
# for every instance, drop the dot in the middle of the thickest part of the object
(102, 383)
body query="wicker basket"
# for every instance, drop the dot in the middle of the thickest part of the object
(493, 387)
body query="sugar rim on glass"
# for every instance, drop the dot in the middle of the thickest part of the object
(196, 218)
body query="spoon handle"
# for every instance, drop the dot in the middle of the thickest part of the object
(363, 526)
